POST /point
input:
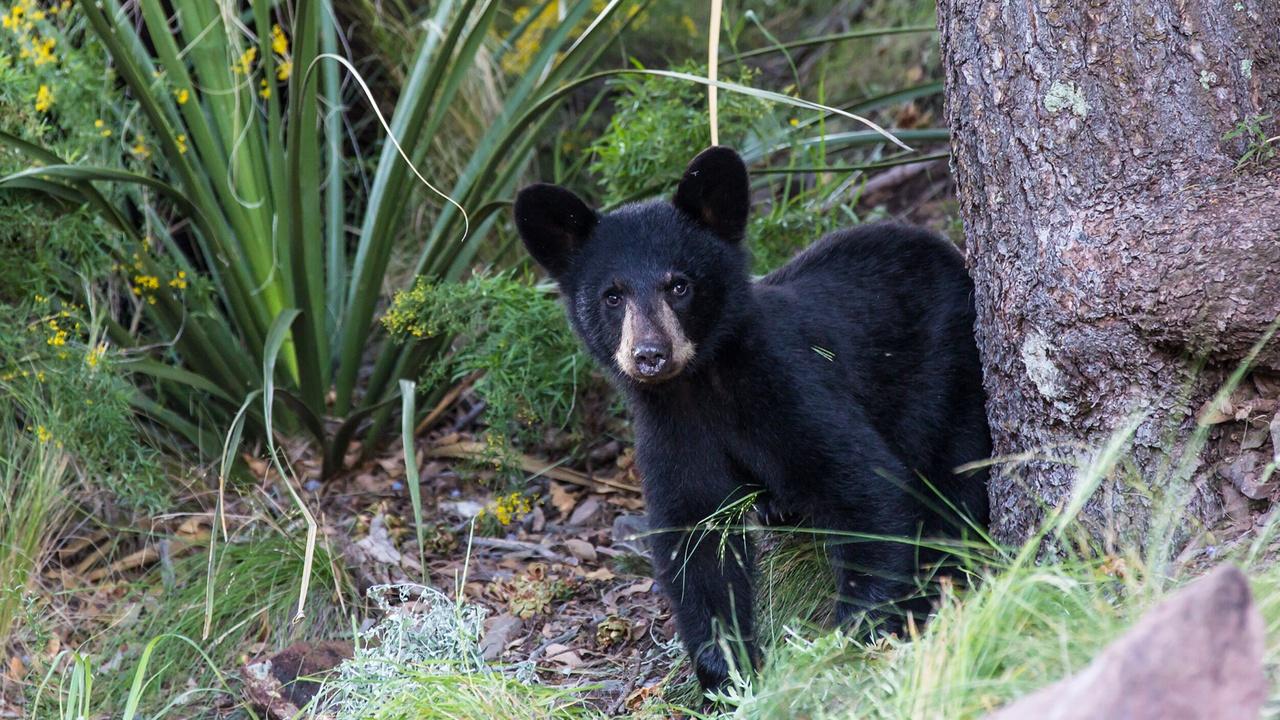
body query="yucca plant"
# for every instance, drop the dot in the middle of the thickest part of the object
(247, 195)
(240, 109)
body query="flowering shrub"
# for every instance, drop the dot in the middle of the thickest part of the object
(533, 371)
(58, 264)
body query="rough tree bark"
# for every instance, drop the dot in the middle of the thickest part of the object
(1122, 264)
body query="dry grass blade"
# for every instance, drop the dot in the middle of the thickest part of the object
(470, 450)
(713, 67)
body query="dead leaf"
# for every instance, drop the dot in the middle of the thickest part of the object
(562, 499)
(465, 509)
(377, 545)
(626, 502)
(585, 511)
(602, 574)
(639, 696)
(498, 631)
(643, 586)
(1215, 410)
(563, 656)
(1245, 473)
(1275, 438)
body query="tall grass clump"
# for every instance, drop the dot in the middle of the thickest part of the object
(253, 590)
(34, 473)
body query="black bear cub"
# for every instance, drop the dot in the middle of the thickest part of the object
(842, 389)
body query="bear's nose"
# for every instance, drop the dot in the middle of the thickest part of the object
(650, 358)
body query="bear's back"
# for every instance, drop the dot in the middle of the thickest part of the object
(892, 308)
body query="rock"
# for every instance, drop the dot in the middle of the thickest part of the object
(1195, 656)
(278, 687)
(581, 549)
(498, 631)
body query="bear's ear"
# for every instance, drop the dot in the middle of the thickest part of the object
(715, 192)
(554, 224)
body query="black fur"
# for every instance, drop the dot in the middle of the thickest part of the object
(833, 385)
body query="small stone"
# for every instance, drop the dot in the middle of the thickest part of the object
(581, 549)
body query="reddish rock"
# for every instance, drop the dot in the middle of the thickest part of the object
(1195, 656)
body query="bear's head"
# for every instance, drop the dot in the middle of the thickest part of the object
(652, 287)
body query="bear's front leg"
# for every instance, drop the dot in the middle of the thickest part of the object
(706, 572)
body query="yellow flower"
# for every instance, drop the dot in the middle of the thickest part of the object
(179, 282)
(13, 19)
(141, 149)
(245, 63)
(181, 141)
(95, 355)
(182, 95)
(44, 51)
(103, 130)
(284, 70)
(264, 89)
(44, 99)
(794, 122)
(43, 434)
(279, 43)
(508, 508)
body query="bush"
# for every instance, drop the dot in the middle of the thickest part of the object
(532, 370)
(659, 123)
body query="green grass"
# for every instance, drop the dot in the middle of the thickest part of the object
(34, 478)
(255, 586)
(422, 693)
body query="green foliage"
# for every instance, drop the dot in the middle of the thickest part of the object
(1259, 148)
(791, 226)
(427, 664)
(532, 369)
(659, 123)
(56, 363)
(255, 585)
(43, 237)
(249, 198)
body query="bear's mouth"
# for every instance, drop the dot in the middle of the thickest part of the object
(655, 376)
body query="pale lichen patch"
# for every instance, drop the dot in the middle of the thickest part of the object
(1066, 96)
(1208, 78)
(1246, 68)
(1048, 378)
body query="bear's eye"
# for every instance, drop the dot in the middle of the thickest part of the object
(613, 298)
(679, 288)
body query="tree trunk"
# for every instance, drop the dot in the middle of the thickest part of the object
(1124, 267)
